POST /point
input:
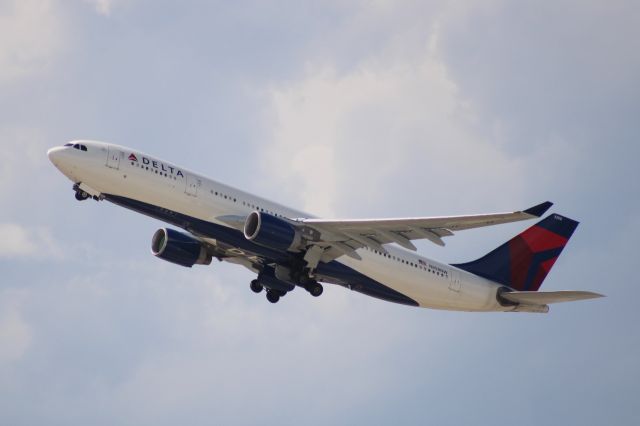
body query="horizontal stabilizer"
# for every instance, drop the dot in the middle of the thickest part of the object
(545, 297)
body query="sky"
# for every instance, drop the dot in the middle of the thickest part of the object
(345, 109)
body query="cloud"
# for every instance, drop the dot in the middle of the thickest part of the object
(168, 341)
(32, 34)
(380, 121)
(25, 153)
(15, 333)
(18, 241)
(581, 69)
(391, 117)
(103, 7)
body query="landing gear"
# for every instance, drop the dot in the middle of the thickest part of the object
(278, 281)
(256, 287)
(81, 195)
(273, 296)
(315, 289)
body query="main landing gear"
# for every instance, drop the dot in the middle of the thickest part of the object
(314, 289)
(274, 295)
(256, 287)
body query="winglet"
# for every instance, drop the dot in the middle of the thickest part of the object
(539, 210)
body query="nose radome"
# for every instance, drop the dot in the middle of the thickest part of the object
(54, 153)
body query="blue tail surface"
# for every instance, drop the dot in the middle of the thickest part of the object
(524, 262)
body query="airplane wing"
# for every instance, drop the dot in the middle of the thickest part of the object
(343, 237)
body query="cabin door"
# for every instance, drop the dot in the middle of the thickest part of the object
(192, 185)
(113, 158)
(454, 281)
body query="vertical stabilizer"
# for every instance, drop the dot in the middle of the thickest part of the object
(524, 262)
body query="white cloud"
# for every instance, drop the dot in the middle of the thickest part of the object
(31, 34)
(360, 134)
(24, 154)
(15, 241)
(15, 333)
(19, 241)
(103, 7)
(151, 342)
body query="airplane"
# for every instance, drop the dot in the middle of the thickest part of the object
(287, 248)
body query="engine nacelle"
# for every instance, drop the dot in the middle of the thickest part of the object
(271, 231)
(179, 248)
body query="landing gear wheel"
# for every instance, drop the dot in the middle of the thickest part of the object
(81, 195)
(315, 289)
(273, 296)
(256, 287)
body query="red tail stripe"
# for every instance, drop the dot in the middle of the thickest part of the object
(520, 257)
(548, 264)
(539, 239)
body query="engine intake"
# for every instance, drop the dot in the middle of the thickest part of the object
(179, 248)
(271, 231)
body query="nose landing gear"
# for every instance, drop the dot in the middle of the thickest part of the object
(81, 195)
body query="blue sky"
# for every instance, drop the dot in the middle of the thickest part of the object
(343, 109)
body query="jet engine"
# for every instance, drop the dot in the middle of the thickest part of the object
(179, 248)
(272, 232)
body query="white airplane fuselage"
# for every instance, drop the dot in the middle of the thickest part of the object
(131, 178)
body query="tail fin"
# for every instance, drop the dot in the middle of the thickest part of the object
(524, 262)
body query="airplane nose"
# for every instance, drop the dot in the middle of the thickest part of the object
(54, 153)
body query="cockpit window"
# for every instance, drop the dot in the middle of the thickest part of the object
(83, 148)
(78, 146)
(68, 144)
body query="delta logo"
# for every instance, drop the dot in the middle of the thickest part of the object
(156, 165)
